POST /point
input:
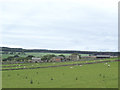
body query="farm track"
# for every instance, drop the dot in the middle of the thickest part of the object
(62, 65)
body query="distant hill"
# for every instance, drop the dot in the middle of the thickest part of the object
(8, 49)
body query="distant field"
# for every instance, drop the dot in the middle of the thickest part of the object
(38, 54)
(7, 55)
(86, 76)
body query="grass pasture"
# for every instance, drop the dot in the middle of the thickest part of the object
(86, 76)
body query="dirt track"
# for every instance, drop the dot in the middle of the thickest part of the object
(63, 65)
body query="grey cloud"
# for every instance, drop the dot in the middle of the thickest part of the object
(50, 25)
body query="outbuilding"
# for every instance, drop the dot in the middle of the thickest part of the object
(36, 60)
(57, 59)
(102, 56)
(74, 57)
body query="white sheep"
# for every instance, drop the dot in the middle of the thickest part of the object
(109, 65)
(105, 63)
(71, 67)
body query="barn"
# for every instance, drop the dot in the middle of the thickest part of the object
(57, 59)
(74, 57)
(102, 56)
(36, 60)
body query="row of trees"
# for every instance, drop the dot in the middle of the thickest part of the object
(17, 58)
(29, 57)
(49, 56)
(13, 52)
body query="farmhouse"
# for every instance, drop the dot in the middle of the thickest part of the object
(57, 59)
(102, 56)
(36, 60)
(74, 57)
(67, 58)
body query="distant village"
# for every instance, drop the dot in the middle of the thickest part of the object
(72, 57)
(19, 55)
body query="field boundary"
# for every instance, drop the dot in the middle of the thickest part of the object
(62, 65)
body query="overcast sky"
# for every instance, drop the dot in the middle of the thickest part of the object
(60, 24)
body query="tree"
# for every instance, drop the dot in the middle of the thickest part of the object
(80, 56)
(75, 53)
(20, 59)
(23, 52)
(29, 57)
(48, 57)
(19, 53)
(11, 52)
(16, 56)
(62, 55)
(5, 52)
(5, 59)
(10, 58)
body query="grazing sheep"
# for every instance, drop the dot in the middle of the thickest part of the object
(105, 63)
(109, 65)
(71, 67)
(80, 65)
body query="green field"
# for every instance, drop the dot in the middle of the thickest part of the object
(38, 54)
(86, 76)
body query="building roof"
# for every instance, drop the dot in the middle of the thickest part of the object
(102, 55)
(59, 57)
(35, 58)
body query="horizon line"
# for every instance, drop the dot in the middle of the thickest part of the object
(56, 49)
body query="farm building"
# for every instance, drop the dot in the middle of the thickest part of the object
(36, 60)
(88, 57)
(74, 57)
(102, 56)
(85, 58)
(67, 58)
(57, 59)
